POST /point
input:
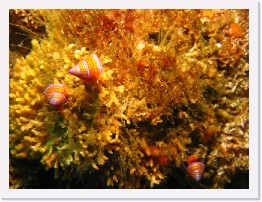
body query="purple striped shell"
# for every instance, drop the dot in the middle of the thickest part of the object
(89, 69)
(196, 170)
(56, 94)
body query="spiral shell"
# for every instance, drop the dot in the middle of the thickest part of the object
(56, 94)
(196, 170)
(89, 69)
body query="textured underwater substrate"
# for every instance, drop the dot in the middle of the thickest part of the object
(174, 84)
(44, 179)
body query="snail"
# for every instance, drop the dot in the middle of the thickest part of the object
(89, 69)
(195, 168)
(56, 94)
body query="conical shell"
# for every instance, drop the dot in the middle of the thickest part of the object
(89, 69)
(56, 94)
(196, 170)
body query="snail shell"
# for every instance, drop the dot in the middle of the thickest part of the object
(56, 94)
(89, 69)
(196, 170)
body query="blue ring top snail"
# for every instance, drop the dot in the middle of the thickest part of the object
(195, 168)
(56, 94)
(89, 69)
